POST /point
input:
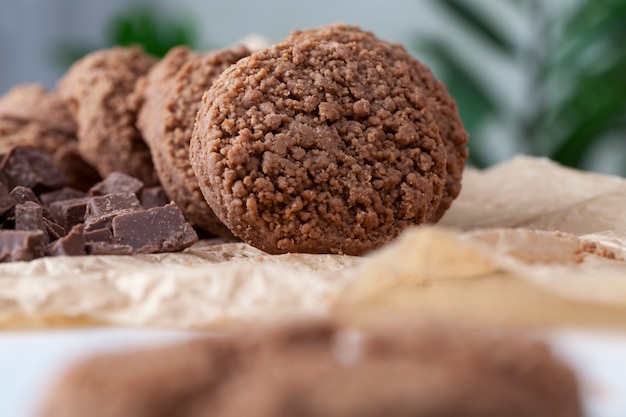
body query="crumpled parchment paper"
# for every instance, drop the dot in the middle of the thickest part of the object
(528, 242)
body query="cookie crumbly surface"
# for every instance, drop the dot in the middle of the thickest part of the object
(98, 90)
(152, 88)
(172, 115)
(441, 104)
(318, 146)
(33, 103)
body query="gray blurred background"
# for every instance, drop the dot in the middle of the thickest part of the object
(529, 77)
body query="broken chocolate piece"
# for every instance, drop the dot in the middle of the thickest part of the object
(153, 197)
(159, 229)
(99, 235)
(52, 229)
(31, 168)
(20, 245)
(117, 182)
(102, 209)
(29, 216)
(23, 194)
(104, 248)
(73, 244)
(69, 213)
(7, 202)
(3, 178)
(65, 193)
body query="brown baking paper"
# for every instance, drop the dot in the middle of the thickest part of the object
(514, 249)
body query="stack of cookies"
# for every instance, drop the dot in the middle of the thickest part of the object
(331, 141)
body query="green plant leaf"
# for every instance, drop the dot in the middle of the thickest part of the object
(594, 26)
(602, 118)
(477, 22)
(474, 103)
(156, 33)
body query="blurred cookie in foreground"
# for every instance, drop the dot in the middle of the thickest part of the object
(32, 116)
(98, 90)
(320, 147)
(167, 119)
(440, 102)
(323, 370)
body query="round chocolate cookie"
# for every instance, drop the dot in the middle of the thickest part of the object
(32, 103)
(98, 90)
(320, 147)
(62, 148)
(171, 115)
(152, 89)
(441, 104)
(32, 116)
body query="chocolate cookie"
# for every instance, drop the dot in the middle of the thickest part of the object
(319, 370)
(441, 104)
(151, 89)
(31, 116)
(320, 147)
(98, 90)
(167, 119)
(32, 103)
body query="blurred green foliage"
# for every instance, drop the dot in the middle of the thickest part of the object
(155, 30)
(575, 71)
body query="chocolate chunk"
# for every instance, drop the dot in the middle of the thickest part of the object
(73, 244)
(69, 213)
(159, 229)
(29, 216)
(65, 193)
(31, 168)
(99, 235)
(153, 197)
(3, 178)
(104, 248)
(20, 245)
(23, 194)
(117, 182)
(7, 202)
(102, 209)
(52, 229)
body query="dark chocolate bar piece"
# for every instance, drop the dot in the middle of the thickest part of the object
(117, 182)
(29, 216)
(65, 193)
(7, 202)
(69, 213)
(159, 229)
(153, 197)
(23, 194)
(102, 209)
(21, 245)
(99, 235)
(72, 244)
(42, 216)
(52, 229)
(31, 168)
(104, 248)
